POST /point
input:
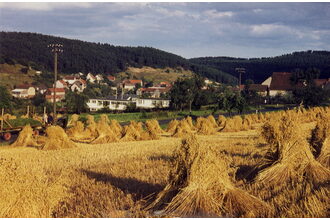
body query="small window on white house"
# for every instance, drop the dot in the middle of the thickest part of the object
(93, 101)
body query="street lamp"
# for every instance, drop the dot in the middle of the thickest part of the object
(56, 49)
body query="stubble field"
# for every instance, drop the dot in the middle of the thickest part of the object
(145, 178)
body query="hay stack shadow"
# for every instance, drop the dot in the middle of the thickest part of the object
(137, 188)
(199, 185)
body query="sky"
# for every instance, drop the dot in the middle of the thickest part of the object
(187, 29)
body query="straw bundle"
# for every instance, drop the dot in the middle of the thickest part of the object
(56, 139)
(199, 186)
(319, 141)
(172, 126)
(155, 126)
(205, 126)
(91, 127)
(234, 124)
(25, 138)
(289, 155)
(130, 133)
(116, 127)
(73, 120)
(212, 121)
(221, 121)
(189, 122)
(152, 129)
(104, 132)
(77, 132)
(182, 129)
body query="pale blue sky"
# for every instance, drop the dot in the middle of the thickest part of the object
(186, 29)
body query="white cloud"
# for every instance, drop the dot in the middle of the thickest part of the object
(43, 6)
(216, 14)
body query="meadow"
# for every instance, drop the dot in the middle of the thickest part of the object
(265, 165)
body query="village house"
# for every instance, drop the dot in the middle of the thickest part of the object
(24, 91)
(111, 78)
(91, 78)
(121, 103)
(78, 85)
(151, 103)
(118, 103)
(60, 94)
(131, 84)
(279, 83)
(153, 92)
(71, 79)
(61, 84)
(99, 78)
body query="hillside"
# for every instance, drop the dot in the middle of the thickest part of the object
(258, 69)
(30, 49)
(155, 75)
(11, 75)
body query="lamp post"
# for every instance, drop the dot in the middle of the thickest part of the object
(56, 49)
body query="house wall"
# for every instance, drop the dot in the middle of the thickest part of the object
(280, 92)
(267, 81)
(152, 103)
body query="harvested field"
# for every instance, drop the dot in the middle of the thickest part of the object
(131, 177)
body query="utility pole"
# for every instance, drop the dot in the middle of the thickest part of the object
(55, 48)
(240, 70)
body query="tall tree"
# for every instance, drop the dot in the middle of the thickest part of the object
(5, 98)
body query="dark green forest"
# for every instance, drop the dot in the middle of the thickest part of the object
(258, 69)
(30, 49)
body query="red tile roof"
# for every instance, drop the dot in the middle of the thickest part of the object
(24, 86)
(321, 82)
(52, 97)
(111, 78)
(57, 90)
(69, 77)
(82, 81)
(150, 89)
(132, 81)
(63, 82)
(281, 81)
(256, 87)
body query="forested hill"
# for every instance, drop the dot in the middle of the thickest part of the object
(30, 49)
(258, 69)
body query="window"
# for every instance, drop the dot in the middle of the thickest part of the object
(94, 101)
(154, 102)
(99, 103)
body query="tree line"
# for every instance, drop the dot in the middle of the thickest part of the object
(259, 69)
(30, 49)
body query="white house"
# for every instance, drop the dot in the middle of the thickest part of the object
(24, 91)
(78, 85)
(99, 78)
(61, 84)
(60, 94)
(90, 78)
(71, 79)
(150, 103)
(122, 103)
